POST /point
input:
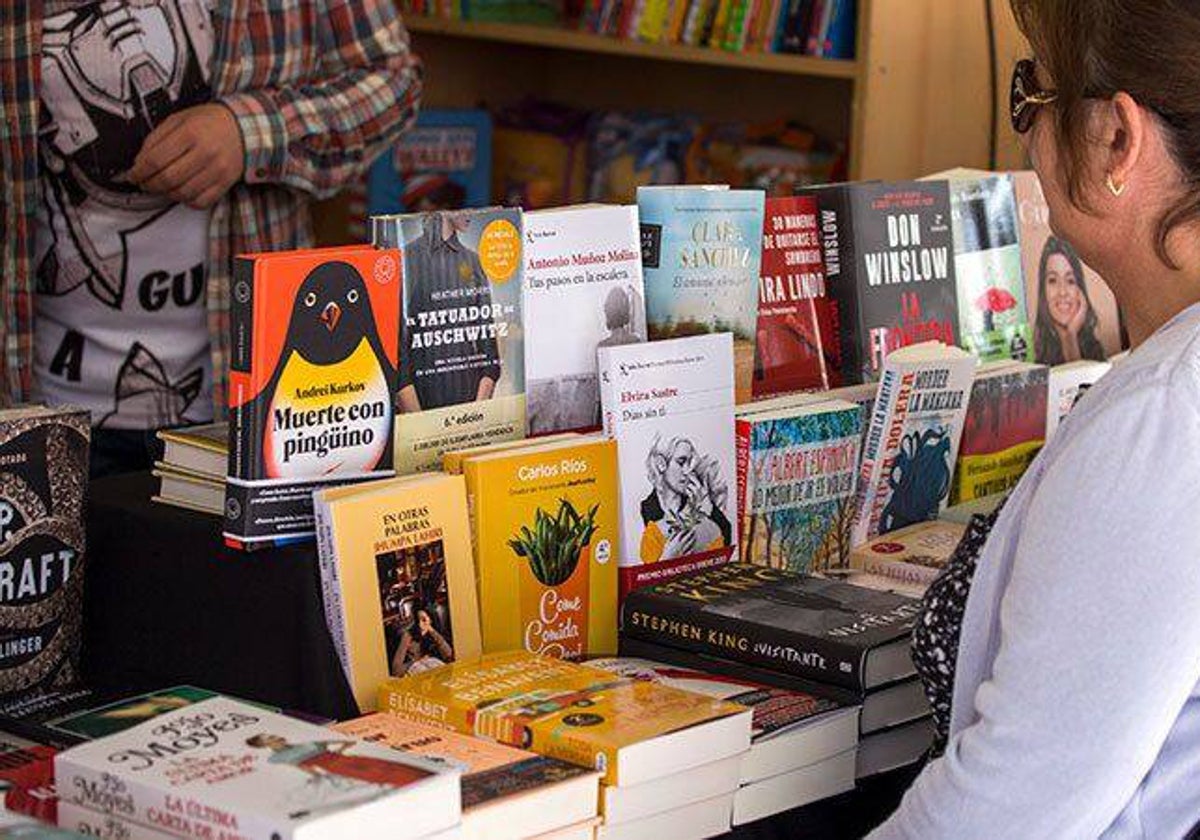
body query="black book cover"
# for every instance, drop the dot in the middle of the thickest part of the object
(817, 629)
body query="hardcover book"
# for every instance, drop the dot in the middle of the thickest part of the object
(631, 730)
(669, 406)
(264, 776)
(797, 345)
(1004, 429)
(810, 627)
(1067, 383)
(190, 491)
(198, 449)
(797, 476)
(702, 254)
(312, 373)
(912, 445)
(397, 577)
(583, 291)
(889, 266)
(462, 377)
(913, 555)
(43, 487)
(544, 523)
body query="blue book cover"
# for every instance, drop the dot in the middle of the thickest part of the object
(443, 163)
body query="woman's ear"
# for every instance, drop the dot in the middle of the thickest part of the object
(1123, 133)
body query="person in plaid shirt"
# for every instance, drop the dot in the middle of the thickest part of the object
(144, 144)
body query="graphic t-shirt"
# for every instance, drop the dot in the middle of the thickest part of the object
(120, 316)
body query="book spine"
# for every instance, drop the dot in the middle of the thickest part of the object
(838, 253)
(742, 432)
(243, 448)
(899, 570)
(72, 817)
(651, 618)
(331, 584)
(871, 471)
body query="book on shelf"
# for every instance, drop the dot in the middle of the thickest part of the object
(797, 476)
(201, 450)
(889, 266)
(815, 628)
(912, 444)
(507, 793)
(631, 730)
(462, 372)
(585, 830)
(626, 805)
(544, 528)
(795, 789)
(190, 491)
(891, 749)
(27, 779)
(696, 821)
(583, 290)
(397, 577)
(701, 258)
(880, 583)
(452, 461)
(273, 776)
(915, 554)
(1067, 384)
(1003, 431)
(43, 497)
(312, 372)
(669, 405)
(964, 512)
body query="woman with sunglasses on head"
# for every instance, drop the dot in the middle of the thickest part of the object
(1066, 684)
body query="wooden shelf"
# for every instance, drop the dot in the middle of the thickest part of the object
(565, 39)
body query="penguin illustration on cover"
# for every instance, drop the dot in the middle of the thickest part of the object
(327, 409)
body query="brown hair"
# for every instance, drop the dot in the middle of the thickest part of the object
(1146, 48)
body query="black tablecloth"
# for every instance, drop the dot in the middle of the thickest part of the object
(167, 603)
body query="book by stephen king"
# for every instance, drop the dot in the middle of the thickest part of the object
(43, 488)
(702, 255)
(462, 372)
(312, 374)
(889, 266)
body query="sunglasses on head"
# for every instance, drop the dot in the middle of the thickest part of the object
(1026, 96)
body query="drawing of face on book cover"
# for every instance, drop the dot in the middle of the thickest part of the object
(416, 608)
(684, 511)
(920, 478)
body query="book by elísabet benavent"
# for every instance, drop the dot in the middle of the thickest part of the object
(912, 443)
(312, 374)
(797, 475)
(701, 257)
(669, 406)
(246, 771)
(462, 372)
(583, 291)
(889, 265)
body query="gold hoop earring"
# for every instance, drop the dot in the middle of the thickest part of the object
(1113, 187)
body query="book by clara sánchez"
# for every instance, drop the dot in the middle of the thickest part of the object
(912, 444)
(222, 766)
(397, 577)
(312, 374)
(43, 486)
(814, 628)
(797, 347)
(631, 730)
(702, 256)
(889, 265)
(797, 476)
(669, 405)
(462, 371)
(583, 290)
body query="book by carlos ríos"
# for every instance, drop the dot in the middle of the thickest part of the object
(311, 377)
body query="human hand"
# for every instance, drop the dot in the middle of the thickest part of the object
(1078, 317)
(193, 157)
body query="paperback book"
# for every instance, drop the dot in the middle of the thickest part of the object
(669, 406)
(583, 291)
(913, 555)
(462, 377)
(312, 374)
(702, 254)
(1067, 384)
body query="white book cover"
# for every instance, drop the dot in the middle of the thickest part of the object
(1067, 384)
(225, 767)
(912, 441)
(583, 290)
(669, 405)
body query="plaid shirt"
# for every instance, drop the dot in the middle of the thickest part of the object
(318, 87)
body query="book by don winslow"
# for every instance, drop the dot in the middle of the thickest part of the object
(312, 373)
(669, 406)
(889, 266)
(397, 577)
(43, 484)
(702, 256)
(583, 290)
(797, 475)
(912, 445)
(221, 766)
(462, 376)
(544, 526)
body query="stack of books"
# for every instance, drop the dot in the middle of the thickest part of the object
(192, 471)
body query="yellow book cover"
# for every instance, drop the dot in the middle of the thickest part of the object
(398, 577)
(544, 521)
(572, 712)
(452, 461)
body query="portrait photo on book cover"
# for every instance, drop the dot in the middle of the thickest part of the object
(684, 513)
(416, 608)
